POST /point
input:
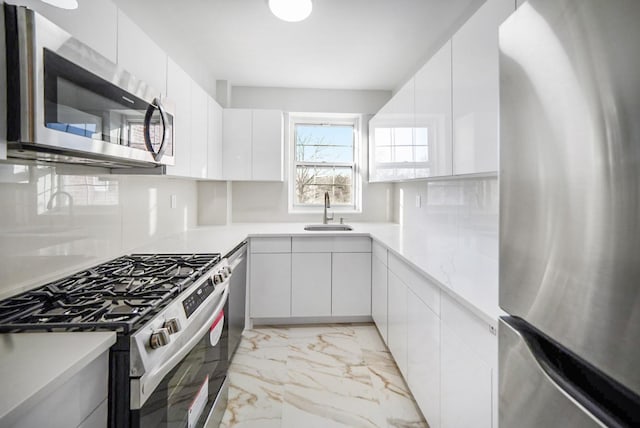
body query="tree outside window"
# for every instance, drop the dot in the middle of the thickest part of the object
(324, 161)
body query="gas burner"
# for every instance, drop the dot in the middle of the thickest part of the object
(114, 295)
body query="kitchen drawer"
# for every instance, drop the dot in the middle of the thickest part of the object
(331, 244)
(421, 286)
(470, 329)
(271, 245)
(379, 251)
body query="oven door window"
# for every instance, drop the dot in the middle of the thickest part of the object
(186, 395)
(81, 103)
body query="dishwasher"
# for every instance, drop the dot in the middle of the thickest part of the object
(237, 259)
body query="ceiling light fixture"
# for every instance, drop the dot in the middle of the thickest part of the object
(291, 10)
(63, 4)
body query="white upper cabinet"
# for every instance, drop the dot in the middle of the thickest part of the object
(391, 137)
(139, 55)
(252, 145)
(94, 23)
(410, 137)
(475, 89)
(214, 137)
(199, 137)
(432, 130)
(267, 146)
(179, 92)
(236, 144)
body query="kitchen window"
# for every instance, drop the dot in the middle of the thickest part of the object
(325, 153)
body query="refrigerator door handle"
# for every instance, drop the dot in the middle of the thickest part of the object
(605, 399)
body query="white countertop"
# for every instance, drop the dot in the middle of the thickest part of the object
(465, 267)
(32, 365)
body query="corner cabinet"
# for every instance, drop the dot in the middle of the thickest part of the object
(475, 89)
(253, 145)
(410, 137)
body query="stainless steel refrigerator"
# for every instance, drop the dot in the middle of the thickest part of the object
(570, 214)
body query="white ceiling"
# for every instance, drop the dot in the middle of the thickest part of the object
(344, 44)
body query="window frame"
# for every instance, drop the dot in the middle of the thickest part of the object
(326, 119)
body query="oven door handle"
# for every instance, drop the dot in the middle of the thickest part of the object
(143, 388)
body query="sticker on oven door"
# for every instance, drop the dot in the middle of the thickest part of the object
(198, 404)
(215, 332)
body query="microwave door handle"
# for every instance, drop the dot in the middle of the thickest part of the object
(165, 128)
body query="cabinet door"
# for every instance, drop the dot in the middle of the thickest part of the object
(270, 281)
(310, 284)
(267, 146)
(432, 132)
(475, 89)
(469, 358)
(379, 295)
(138, 54)
(236, 144)
(397, 320)
(466, 390)
(351, 284)
(214, 140)
(199, 138)
(179, 91)
(423, 350)
(391, 137)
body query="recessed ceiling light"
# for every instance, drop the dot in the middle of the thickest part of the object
(63, 4)
(291, 10)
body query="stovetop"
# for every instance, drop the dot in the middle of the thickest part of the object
(116, 295)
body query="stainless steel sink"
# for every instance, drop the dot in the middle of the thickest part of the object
(330, 227)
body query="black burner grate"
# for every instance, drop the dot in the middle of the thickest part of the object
(115, 295)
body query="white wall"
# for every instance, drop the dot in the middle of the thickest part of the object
(254, 201)
(43, 237)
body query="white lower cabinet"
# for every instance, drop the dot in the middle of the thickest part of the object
(310, 277)
(469, 353)
(270, 280)
(466, 392)
(351, 284)
(310, 284)
(423, 364)
(379, 291)
(397, 322)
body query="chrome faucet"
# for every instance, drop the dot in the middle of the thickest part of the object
(327, 204)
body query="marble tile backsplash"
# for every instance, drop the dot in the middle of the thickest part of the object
(463, 214)
(59, 219)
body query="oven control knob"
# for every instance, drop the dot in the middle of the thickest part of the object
(159, 337)
(217, 279)
(224, 273)
(227, 269)
(172, 325)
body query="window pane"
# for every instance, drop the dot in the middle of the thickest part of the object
(313, 182)
(324, 143)
(383, 154)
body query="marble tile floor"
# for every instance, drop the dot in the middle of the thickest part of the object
(324, 376)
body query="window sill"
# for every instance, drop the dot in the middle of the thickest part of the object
(320, 212)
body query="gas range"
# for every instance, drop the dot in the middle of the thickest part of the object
(115, 295)
(169, 313)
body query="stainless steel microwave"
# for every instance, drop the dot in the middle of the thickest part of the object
(67, 103)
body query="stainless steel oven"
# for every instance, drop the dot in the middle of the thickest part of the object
(196, 389)
(179, 360)
(67, 103)
(171, 314)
